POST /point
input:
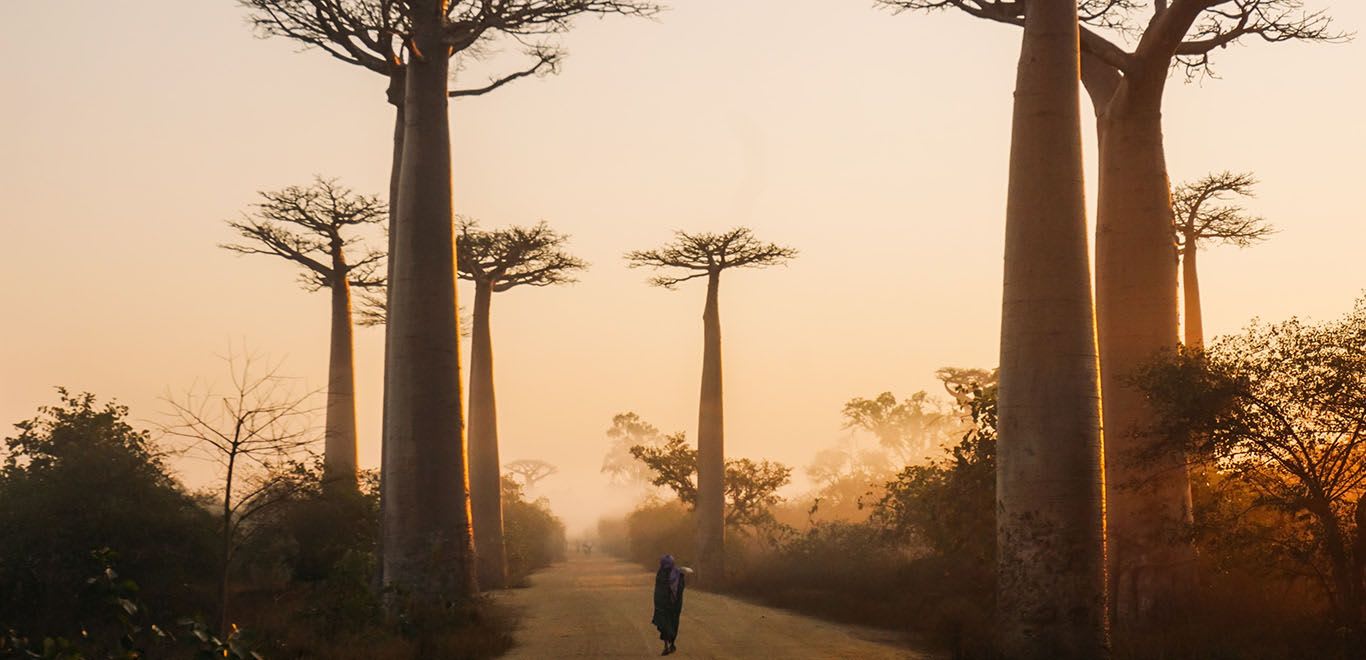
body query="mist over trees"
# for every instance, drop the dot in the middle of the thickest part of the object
(1121, 486)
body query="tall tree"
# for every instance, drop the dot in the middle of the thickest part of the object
(1205, 215)
(1049, 525)
(313, 226)
(1147, 493)
(688, 257)
(426, 544)
(498, 261)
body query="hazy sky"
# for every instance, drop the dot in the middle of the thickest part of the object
(876, 144)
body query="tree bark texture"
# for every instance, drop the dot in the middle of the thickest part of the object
(1147, 482)
(1050, 524)
(339, 436)
(428, 546)
(485, 484)
(711, 452)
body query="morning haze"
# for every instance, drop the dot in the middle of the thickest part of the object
(874, 143)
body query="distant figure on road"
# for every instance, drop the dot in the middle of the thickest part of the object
(669, 584)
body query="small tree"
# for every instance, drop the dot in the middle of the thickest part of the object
(688, 257)
(531, 471)
(910, 428)
(751, 487)
(498, 261)
(629, 430)
(257, 431)
(1205, 215)
(1279, 409)
(314, 227)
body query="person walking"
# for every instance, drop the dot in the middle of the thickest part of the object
(670, 581)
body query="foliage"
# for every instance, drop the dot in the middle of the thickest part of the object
(751, 487)
(629, 430)
(948, 506)
(1278, 410)
(77, 479)
(533, 536)
(131, 566)
(910, 428)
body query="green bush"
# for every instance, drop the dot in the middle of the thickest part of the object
(79, 483)
(532, 536)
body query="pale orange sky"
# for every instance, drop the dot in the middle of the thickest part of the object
(876, 144)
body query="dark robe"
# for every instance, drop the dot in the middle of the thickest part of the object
(668, 607)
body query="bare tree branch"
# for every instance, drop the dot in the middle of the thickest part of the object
(703, 254)
(1204, 213)
(325, 212)
(514, 256)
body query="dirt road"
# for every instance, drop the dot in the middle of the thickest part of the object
(600, 608)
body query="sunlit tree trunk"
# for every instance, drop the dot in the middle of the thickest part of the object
(1050, 528)
(1147, 487)
(485, 483)
(395, 93)
(339, 444)
(1190, 286)
(711, 452)
(428, 549)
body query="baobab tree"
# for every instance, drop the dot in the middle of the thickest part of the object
(1147, 488)
(315, 227)
(531, 471)
(692, 256)
(426, 544)
(1049, 512)
(1205, 215)
(497, 261)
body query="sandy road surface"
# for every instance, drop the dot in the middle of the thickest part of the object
(600, 607)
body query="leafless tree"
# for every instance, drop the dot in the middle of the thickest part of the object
(497, 261)
(315, 227)
(1206, 215)
(691, 256)
(531, 471)
(254, 430)
(1136, 293)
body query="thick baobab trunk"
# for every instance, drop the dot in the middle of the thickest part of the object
(1050, 527)
(1147, 482)
(428, 550)
(1190, 286)
(711, 447)
(339, 457)
(485, 484)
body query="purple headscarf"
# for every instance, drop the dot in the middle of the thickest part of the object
(667, 562)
